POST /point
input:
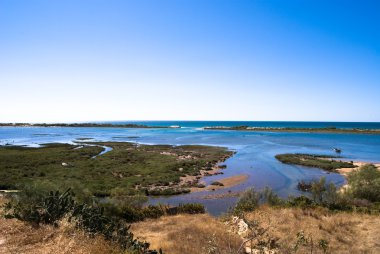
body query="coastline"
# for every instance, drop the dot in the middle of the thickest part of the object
(88, 125)
(331, 130)
(346, 171)
(227, 183)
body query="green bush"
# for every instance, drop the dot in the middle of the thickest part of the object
(54, 206)
(216, 183)
(365, 183)
(153, 211)
(248, 201)
(166, 191)
(301, 201)
(269, 197)
(48, 210)
(191, 208)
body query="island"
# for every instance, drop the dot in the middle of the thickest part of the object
(295, 129)
(326, 162)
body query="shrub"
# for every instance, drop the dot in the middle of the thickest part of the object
(166, 191)
(301, 201)
(248, 201)
(270, 197)
(317, 189)
(191, 208)
(365, 183)
(51, 208)
(47, 210)
(216, 183)
(132, 214)
(152, 212)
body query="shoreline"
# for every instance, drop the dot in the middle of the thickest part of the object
(88, 125)
(331, 130)
(346, 171)
(227, 183)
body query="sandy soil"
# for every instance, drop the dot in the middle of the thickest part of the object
(346, 171)
(227, 183)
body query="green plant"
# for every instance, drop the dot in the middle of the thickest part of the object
(54, 206)
(191, 208)
(248, 201)
(306, 243)
(216, 183)
(269, 197)
(47, 210)
(365, 183)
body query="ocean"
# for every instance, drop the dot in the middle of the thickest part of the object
(254, 156)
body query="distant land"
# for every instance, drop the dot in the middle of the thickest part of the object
(294, 129)
(109, 125)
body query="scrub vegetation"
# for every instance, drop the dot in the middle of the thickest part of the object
(324, 220)
(136, 169)
(317, 161)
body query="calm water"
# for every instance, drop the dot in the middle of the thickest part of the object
(254, 157)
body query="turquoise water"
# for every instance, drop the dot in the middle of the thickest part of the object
(254, 151)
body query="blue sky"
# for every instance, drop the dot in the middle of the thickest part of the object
(71, 60)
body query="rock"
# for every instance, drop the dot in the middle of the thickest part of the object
(242, 227)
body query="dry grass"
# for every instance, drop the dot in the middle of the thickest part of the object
(19, 237)
(187, 234)
(345, 232)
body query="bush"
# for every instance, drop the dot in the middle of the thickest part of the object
(365, 183)
(301, 201)
(152, 212)
(54, 206)
(270, 197)
(166, 191)
(216, 183)
(47, 210)
(248, 201)
(191, 208)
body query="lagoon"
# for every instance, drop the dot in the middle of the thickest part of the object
(254, 156)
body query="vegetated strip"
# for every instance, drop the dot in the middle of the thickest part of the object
(294, 129)
(102, 125)
(325, 162)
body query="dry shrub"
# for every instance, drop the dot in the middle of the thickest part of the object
(344, 232)
(20, 237)
(188, 234)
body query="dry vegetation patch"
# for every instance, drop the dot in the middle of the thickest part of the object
(345, 232)
(19, 237)
(188, 234)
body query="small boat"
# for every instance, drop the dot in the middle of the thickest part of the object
(337, 150)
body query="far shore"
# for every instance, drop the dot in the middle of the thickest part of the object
(102, 125)
(332, 130)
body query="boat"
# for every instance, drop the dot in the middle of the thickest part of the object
(337, 150)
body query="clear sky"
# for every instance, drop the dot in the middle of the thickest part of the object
(82, 60)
